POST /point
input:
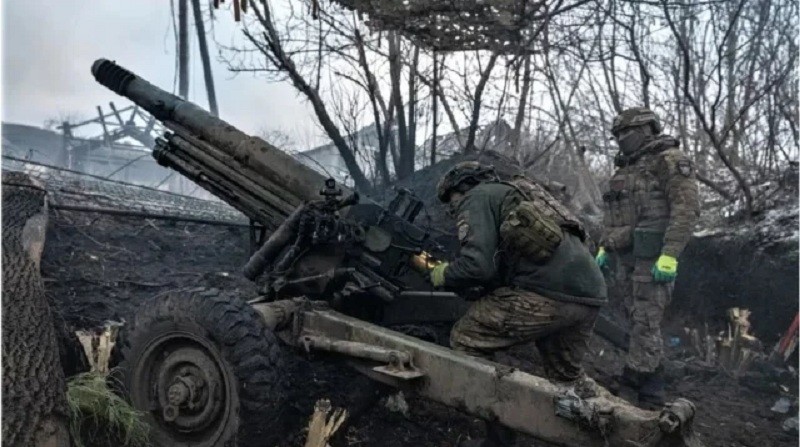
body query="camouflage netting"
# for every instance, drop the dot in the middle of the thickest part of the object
(73, 189)
(507, 26)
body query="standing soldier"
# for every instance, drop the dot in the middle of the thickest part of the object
(650, 208)
(526, 249)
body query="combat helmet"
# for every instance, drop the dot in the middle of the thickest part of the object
(464, 173)
(636, 116)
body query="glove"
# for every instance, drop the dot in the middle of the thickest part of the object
(601, 258)
(665, 269)
(437, 275)
(423, 262)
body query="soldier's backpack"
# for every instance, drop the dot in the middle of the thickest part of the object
(534, 228)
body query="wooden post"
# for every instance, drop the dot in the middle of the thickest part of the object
(65, 159)
(102, 119)
(116, 113)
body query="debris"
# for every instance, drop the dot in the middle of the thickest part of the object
(704, 346)
(738, 348)
(324, 423)
(570, 406)
(97, 344)
(397, 403)
(790, 426)
(782, 405)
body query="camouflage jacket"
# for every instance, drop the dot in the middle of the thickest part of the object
(570, 275)
(652, 195)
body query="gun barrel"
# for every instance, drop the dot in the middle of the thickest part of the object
(247, 172)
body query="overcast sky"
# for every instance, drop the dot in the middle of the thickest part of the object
(49, 47)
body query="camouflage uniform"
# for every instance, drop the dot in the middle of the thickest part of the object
(508, 317)
(650, 208)
(554, 303)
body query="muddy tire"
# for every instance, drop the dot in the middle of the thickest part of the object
(205, 370)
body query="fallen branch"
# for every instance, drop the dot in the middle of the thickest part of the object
(143, 284)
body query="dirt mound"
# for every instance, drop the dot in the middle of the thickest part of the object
(96, 267)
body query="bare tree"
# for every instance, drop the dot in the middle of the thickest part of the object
(477, 100)
(721, 74)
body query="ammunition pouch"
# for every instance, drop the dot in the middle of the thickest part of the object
(647, 242)
(534, 228)
(531, 231)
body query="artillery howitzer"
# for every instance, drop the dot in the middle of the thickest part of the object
(205, 366)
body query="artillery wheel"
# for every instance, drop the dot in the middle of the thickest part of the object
(205, 370)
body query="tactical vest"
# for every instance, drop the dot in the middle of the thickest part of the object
(636, 206)
(535, 222)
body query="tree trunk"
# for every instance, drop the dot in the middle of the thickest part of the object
(730, 85)
(395, 70)
(378, 105)
(284, 62)
(445, 104)
(203, 46)
(469, 147)
(523, 102)
(34, 400)
(183, 49)
(644, 73)
(408, 153)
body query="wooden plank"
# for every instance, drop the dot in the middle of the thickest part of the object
(106, 137)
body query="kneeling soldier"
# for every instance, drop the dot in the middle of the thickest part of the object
(527, 250)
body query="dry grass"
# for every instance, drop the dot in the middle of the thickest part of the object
(96, 412)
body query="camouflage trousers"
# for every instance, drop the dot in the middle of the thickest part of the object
(644, 301)
(508, 317)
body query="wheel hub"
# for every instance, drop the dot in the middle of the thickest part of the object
(182, 383)
(185, 392)
(188, 389)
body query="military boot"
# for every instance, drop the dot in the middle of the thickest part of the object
(651, 390)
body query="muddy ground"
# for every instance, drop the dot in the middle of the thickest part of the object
(97, 267)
